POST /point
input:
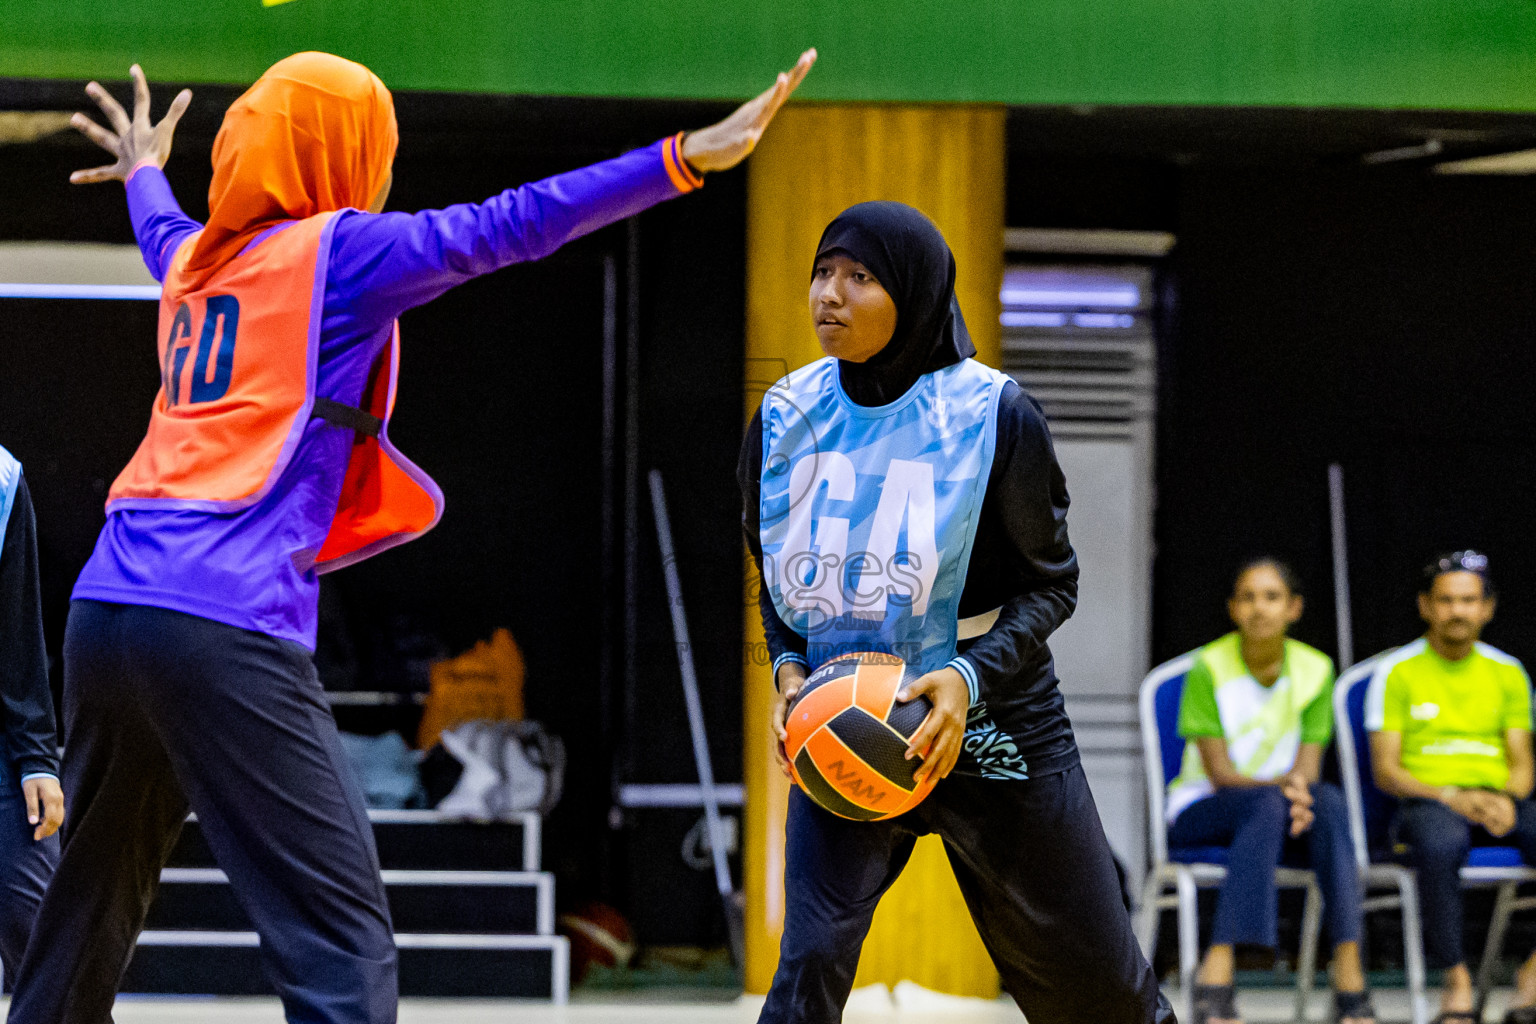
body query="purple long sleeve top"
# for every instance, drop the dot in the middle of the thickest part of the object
(254, 568)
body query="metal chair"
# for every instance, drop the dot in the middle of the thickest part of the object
(1370, 813)
(1188, 870)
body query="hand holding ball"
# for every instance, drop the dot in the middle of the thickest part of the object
(847, 738)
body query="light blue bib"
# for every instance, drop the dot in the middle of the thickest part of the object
(10, 480)
(869, 514)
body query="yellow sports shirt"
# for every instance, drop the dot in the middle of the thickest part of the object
(1452, 714)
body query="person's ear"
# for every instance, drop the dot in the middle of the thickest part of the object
(1489, 604)
(1293, 609)
(1232, 610)
(1424, 608)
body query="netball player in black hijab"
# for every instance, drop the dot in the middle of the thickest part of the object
(1013, 808)
(903, 251)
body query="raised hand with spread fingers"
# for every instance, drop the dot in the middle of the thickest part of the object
(132, 140)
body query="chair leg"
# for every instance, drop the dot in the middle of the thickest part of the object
(1413, 947)
(1148, 915)
(1498, 924)
(1306, 959)
(1189, 942)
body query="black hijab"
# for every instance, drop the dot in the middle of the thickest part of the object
(912, 262)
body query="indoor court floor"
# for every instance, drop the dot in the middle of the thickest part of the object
(427, 1011)
(1260, 1007)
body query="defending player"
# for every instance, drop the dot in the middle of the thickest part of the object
(188, 671)
(889, 490)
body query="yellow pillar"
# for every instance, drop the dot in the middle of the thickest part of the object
(817, 160)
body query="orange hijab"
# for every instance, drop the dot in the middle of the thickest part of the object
(315, 133)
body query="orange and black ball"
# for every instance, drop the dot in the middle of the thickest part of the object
(848, 735)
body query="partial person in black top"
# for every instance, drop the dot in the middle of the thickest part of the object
(31, 800)
(1016, 816)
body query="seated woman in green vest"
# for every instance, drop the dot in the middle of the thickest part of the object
(1257, 712)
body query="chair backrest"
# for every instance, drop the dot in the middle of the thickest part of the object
(1370, 810)
(1161, 743)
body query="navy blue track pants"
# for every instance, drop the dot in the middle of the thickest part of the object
(1438, 840)
(25, 867)
(164, 712)
(1036, 873)
(1254, 825)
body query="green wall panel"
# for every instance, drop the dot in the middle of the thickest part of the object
(1474, 54)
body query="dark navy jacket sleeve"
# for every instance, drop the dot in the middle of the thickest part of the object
(31, 743)
(784, 644)
(1022, 562)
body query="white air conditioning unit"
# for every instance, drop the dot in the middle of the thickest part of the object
(1079, 337)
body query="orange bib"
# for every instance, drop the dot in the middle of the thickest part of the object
(239, 358)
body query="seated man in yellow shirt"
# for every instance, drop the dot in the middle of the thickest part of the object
(1450, 721)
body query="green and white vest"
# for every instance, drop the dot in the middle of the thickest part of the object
(1262, 725)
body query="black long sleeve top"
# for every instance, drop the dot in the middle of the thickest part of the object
(31, 743)
(1022, 564)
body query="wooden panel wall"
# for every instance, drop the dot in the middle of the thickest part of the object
(819, 159)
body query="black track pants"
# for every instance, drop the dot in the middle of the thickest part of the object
(164, 711)
(1036, 873)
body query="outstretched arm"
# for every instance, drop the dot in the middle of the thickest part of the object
(141, 150)
(392, 262)
(159, 225)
